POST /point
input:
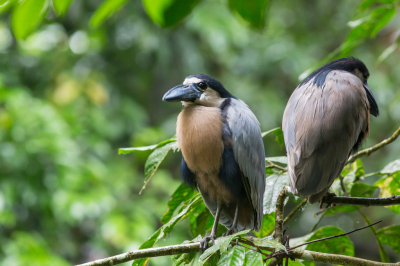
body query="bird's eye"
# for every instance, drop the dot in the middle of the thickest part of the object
(202, 86)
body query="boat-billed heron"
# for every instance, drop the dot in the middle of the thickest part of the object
(223, 153)
(325, 120)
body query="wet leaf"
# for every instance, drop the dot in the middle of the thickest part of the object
(273, 186)
(235, 257)
(279, 159)
(221, 244)
(253, 258)
(270, 242)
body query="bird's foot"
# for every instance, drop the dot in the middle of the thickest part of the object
(205, 240)
(327, 198)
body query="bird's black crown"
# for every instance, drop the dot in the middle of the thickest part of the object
(349, 64)
(213, 84)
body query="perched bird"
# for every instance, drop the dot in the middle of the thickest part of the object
(325, 120)
(223, 153)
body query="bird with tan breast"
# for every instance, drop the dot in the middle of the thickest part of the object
(223, 153)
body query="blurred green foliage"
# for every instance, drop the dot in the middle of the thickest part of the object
(74, 88)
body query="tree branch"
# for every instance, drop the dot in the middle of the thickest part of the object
(336, 259)
(146, 253)
(370, 150)
(280, 203)
(394, 200)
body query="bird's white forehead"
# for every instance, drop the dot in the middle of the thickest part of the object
(191, 80)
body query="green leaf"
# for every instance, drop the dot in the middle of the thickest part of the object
(382, 252)
(61, 6)
(300, 240)
(295, 263)
(6, 4)
(183, 258)
(391, 168)
(154, 161)
(389, 186)
(27, 15)
(253, 258)
(182, 195)
(278, 133)
(273, 186)
(269, 242)
(362, 190)
(187, 257)
(106, 9)
(279, 159)
(252, 11)
(235, 257)
(168, 12)
(146, 148)
(201, 222)
(340, 245)
(167, 228)
(390, 236)
(268, 225)
(221, 244)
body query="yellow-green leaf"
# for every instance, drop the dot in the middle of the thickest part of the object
(27, 15)
(168, 12)
(61, 6)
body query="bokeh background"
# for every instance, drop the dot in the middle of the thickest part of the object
(72, 94)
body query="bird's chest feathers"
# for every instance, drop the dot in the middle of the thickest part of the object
(199, 133)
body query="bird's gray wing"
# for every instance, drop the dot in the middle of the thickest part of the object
(321, 127)
(248, 149)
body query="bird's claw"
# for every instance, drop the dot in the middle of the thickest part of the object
(327, 199)
(205, 240)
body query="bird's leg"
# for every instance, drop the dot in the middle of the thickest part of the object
(213, 235)
(234, 224)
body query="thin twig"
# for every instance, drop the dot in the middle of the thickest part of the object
(326, 238)
(319, 220)
(294, 211)
(376, 147)
(272, 165)
(394, 200)
(343, 186)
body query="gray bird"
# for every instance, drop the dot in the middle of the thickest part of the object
(223, 153)
(326, 120)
